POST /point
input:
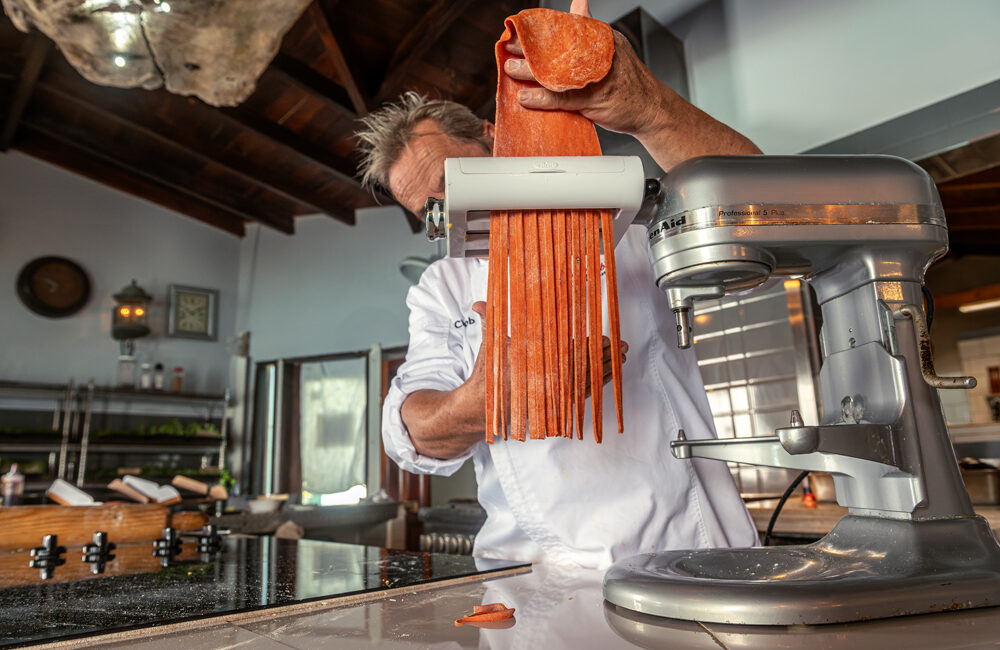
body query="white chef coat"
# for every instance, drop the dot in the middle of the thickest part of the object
(575, 501)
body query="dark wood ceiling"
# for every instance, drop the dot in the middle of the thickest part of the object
(968, 179)
(289, 149)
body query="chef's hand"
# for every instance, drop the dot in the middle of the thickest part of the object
(613, 102)
(607, 361)
(630, 99)
(478, 377)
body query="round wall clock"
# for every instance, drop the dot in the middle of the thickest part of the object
(54, 287)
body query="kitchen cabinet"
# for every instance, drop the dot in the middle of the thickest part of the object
(88, 434)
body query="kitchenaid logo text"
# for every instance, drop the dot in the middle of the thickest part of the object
(667, 225)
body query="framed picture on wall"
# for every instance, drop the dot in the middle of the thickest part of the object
(193, 313)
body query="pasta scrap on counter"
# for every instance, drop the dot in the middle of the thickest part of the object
(487, 614)
(545, 265)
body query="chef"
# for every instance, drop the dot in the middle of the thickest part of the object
(560, 501)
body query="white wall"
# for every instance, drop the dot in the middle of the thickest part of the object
(329, 288)
(45, 210)
(795, 74)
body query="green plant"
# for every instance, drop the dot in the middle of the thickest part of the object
(172, 428)
(226, 479)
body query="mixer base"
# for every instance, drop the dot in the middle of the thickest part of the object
(865, 568)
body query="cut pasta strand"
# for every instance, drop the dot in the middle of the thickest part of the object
(614, 330)
(518, 326)
(545, 271)
(595, 330)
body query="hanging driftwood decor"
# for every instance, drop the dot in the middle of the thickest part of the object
(213, 49)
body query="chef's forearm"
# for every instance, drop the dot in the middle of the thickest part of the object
(680, 131)
(444, 424)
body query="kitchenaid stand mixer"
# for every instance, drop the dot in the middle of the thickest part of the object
(862, 230)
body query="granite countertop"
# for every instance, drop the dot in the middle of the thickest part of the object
(555, 608)
(250, 573)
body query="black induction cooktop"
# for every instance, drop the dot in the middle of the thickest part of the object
(246, 573)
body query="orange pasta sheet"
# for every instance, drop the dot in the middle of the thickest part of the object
(487, 614)
(545, 265)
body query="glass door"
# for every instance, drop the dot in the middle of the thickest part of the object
(332, 412)
(310, 429)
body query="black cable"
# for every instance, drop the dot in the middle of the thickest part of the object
(929, 305)
(781, 503)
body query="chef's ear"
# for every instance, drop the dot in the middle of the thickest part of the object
(488, 132)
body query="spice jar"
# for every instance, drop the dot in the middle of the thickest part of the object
(178, 382)
(12, 486)
(158, 377)
(146, 378)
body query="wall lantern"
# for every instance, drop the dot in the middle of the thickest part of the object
(129, 319)
(129, 322)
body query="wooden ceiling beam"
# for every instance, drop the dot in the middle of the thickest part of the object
(66, 155)
(168, 173)
(138, 110)
(968, 187)
(289, 70)
(974, 243)
(38, 48)
(349, 74)
(417, 43)
(340, 168)
(952, 300)
(978, 218)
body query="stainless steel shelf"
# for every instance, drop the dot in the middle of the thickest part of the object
(24, 389)
(127, 395)
(58, 391)
(127, 448)
(139, 448)
(15, 447)
(72, 407)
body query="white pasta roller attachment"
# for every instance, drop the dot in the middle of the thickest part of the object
(474, 186)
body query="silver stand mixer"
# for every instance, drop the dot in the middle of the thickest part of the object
(862, 230)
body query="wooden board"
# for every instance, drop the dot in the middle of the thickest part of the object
(129, 559)
(189, 520)
(24, 526)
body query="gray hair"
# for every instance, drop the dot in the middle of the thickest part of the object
(388, 130)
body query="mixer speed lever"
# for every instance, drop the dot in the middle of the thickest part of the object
(916, 314)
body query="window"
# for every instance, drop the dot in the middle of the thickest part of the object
(332, 401)
(310, 428)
